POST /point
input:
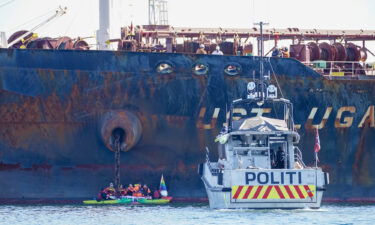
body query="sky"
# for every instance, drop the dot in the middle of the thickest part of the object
(82, 16)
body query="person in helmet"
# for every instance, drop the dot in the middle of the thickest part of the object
(110, 191)
(137, 191)
(217, 51)
(276, 52)
(122, 191)
(285, 52)
(146, 192)
(102, 195)
(201, 50)
(130, 190)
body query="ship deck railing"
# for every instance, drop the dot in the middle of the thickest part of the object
(343, 69)
(298, 156)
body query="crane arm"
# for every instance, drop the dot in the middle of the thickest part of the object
(59, 12)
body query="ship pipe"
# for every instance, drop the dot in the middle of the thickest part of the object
(41, 43)
(121, 123)
(353, 53)
(314, 51)
(64, 43)
(17, 35)
(326, 52)
(340, 51)
(81, 45)
(363, 55)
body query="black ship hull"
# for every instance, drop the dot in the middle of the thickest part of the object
(58, 110)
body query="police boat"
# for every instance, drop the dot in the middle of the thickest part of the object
(259, 164)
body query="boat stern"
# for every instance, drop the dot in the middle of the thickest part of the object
(249, 188)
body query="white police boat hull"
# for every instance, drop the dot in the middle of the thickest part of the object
(264, 189)
(260, 164)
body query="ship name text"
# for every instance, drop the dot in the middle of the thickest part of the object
(345, 117)
(288, 177)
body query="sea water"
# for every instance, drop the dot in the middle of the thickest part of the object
(182, 214)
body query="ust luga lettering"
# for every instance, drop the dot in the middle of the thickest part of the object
(345, 117)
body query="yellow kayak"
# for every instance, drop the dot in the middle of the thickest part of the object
(154, 201)
(104, 202)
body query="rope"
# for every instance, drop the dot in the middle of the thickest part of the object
(208, 159)
(71, 23)
(32, 20)
(278, 85)
(6, 3)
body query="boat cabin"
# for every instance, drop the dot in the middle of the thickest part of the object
(260, 141)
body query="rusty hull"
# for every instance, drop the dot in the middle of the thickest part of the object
(52, 105)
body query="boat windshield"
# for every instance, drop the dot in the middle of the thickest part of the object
(269, 112)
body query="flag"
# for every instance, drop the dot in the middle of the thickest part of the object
(317, 142)
(163, 187)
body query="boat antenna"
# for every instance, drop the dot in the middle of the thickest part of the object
(261, 89)
(262, 81)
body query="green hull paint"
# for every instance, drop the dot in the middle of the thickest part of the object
(107, 202)
(154, 201)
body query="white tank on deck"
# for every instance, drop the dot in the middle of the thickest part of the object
(111, 19)
(104, 32)
(3, 40)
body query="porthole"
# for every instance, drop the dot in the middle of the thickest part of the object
(233, 69)
(200, 69)
(164, 68)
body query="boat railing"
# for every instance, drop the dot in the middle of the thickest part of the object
(298, 156)
(347, 69)
(213, 167)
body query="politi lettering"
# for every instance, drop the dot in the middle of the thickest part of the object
(289, 177)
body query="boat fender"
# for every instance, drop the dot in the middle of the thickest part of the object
(123, 123)
(326, 178)
(226, 189)
(220, 178)
(200, 169)
(296, 138)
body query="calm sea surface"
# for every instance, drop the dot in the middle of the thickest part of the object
(182, 214)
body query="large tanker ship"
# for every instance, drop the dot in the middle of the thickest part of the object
(61, 105)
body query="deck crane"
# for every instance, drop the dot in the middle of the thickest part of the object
(58, 13)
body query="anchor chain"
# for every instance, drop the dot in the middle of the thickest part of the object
(117, 163)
